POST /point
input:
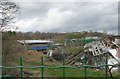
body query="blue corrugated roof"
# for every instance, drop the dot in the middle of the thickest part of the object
(39, 47)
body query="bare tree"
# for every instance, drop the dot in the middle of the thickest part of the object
(7, 13)
(8, 10)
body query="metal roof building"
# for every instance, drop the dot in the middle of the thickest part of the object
(36, 44)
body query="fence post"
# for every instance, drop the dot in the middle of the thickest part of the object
(63, 69)
(42, 69)
(85, 68)
(106, 66)
(21, 68)
(119, 58)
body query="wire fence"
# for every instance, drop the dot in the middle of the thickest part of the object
(42, 67)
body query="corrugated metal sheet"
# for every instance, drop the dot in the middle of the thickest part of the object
(34, 41)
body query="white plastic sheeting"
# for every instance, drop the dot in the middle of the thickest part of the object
(115, 60)
(113, 53)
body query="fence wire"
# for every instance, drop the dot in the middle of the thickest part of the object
(42, 67)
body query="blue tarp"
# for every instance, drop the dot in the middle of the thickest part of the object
(39, 48)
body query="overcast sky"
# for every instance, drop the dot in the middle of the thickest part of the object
(68, 16)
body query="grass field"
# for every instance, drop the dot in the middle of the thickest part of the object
(35, 60)
(69, 72)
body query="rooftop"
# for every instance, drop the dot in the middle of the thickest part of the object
(34, 41)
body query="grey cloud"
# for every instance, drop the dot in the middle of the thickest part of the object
(89, 15)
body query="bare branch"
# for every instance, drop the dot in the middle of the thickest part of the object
(7, 12)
